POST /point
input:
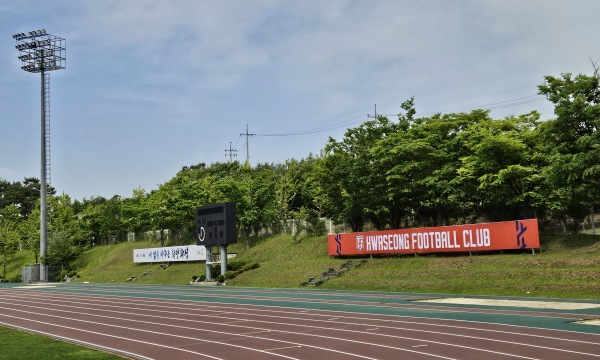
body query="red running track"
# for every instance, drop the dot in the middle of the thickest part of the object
(167, 322)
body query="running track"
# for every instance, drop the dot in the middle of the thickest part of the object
(190, 322)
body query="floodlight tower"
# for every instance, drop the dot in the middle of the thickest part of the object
(40, 52)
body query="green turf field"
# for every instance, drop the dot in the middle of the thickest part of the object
(17, 345)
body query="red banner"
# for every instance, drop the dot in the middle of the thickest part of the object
(519, 234)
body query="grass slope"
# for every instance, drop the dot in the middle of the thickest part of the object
(567, 267)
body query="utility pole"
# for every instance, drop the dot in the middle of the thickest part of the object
(247, 135)
(373, 116)
(232, 152)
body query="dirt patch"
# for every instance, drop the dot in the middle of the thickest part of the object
(516, 303)
(589, 322)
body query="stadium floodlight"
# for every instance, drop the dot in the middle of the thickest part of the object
(40, 52)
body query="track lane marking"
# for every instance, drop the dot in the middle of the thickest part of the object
(401, 306)
(393, 321)
(192, 338)
(295, 333)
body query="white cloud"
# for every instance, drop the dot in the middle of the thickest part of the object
(556, 35)
(165, 84)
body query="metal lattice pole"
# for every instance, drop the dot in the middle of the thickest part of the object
(40, 52)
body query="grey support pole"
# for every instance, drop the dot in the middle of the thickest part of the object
(43, 206)
(223, 259)
(208, 263)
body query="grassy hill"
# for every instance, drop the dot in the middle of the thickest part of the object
(568, 266)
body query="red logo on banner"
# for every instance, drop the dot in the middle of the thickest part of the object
(360, 243)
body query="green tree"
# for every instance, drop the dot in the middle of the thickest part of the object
(572, 142)
(10, 219)
(30, 233)
(352, 182)
(24, 194)
(136, 213)
(421, 162)
(65, 236)
(501, 169)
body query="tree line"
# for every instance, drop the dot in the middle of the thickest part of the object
(386, 173)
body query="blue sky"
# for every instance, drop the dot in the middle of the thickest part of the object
(151, 86)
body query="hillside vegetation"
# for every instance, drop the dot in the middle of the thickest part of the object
(566, 267)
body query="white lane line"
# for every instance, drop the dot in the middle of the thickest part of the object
(278, 331)
(302, 300)
(567, 316)
(435, 332)
(261, 310)
(284, 348)
(385, 335)
(186, 337)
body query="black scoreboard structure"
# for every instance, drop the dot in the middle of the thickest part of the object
(216, 225)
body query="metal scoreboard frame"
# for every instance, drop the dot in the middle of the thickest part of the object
(216, 224)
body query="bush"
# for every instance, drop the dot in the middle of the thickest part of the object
(199, 278)
(230, 274)
(235, 265)
(220, 278)
(250, 266)
(62, 274)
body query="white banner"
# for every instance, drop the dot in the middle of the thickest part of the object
(169, 254)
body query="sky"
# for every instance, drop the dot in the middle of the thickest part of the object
(151, 86)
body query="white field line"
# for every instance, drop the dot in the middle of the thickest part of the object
(329, 328)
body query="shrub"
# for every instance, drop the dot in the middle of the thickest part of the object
(61, 275)
(250, 266)
(220, 278)
(199, 278)
(230, 274)
(235, 265)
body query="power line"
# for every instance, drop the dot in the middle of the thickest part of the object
(496, 105)
(318, 130)
(481, 96)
